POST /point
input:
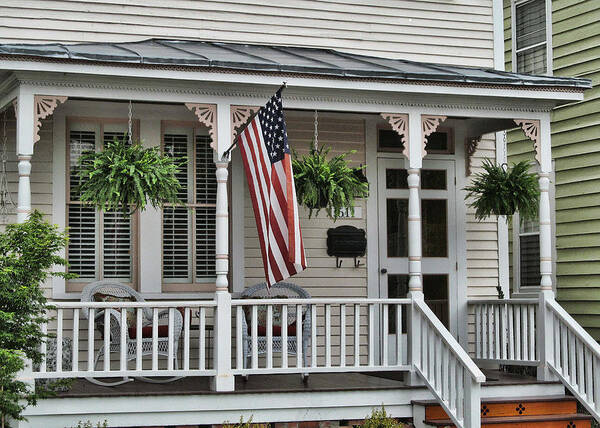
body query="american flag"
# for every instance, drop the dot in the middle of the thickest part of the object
(268, 164)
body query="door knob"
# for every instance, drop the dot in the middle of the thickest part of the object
(383, 271)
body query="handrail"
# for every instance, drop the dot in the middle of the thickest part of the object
(476, 374)
(318, 301)
(147, 304)
(503, 302)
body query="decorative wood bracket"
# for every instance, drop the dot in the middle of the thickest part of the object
(471, 144)
(429, 124)
(207, 116)
(399, 123)
(44, 106)
(239, 118)
(16, 107)
(531, 128)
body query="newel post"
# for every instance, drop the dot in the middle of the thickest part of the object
(539, 132)
(472, 409)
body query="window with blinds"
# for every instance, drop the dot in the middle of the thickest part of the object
(189, 231)
(101, 244)
(531, 40)
(529, 254)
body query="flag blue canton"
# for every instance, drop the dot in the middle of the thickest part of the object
(273, 128)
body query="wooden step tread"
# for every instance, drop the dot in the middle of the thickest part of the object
(517, 419)
(541, 398)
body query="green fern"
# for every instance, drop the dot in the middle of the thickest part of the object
(328, 184)
(127, 177)
(503, 190)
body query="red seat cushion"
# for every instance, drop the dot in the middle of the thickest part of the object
(163, 331)
(262, 330)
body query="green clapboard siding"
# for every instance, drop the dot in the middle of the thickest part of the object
(576, 151)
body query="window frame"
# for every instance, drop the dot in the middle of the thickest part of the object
(98, 124)
(548, 42)
(175, 286)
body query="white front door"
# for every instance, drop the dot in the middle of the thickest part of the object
(438, 214)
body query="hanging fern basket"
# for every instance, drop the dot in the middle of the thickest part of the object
(329, 184)
(128, 177)
(503, 190)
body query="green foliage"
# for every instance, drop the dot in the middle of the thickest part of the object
(90, 424)
(503, 190)
(329, 184)
(127, 177)
(242, 424)
(27, 255)
(380, 419)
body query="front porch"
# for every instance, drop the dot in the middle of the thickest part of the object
(388, 340)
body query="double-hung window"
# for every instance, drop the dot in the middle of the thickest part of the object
(188, 231)
(530, 37)
(102, 244)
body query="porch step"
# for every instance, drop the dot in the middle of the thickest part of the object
(575, 420)
(530, 412)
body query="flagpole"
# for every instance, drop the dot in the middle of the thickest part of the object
(226, 152)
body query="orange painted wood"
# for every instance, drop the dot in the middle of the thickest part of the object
(514, 408)
(547, 421)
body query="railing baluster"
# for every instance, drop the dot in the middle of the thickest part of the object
(170, 340)
(342, 335)
(90, 347)
(385, 335)
(284, 336)
(59, 339)
(532, 349)
(596, 382)
(503, 341)
(155, 339)
(399, 356)
(186, 338)
(138, 338)
(580, 370)
(572, 358)
(202, 339)
(497, 331)
(511, 333)
(44, 347)
(556, 335)
(123, 341)
(75, 357)
(589, 380)
(313, 336)
(525, 330)
(371, 335)
(239, 339)
(254, 337)
(490, 331)
(269, 336)
(327, 335)
(356, 335)
(478, 331)
(107, 320)
(299, 356)
(518, 354)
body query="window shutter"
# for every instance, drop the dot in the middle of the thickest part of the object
(82, 241)
(529, 253)
(117, 246)
(530, 23)
(206, 193)
(176, 220)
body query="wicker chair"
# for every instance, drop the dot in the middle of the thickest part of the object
(279, 289)
(118, 290)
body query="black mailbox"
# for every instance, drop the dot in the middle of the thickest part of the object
(346, 241)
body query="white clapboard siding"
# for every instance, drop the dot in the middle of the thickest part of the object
(457, 32)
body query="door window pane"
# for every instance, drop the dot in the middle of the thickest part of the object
(433, 179)
(434, 227)
(435, 290)
(396, 178)
(397, 227)
(389, 141)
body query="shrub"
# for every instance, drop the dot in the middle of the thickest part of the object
(380, 419)
(28, 251)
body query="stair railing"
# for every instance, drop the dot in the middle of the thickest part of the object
(449, 373)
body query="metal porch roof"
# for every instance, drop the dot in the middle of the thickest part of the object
(278, 59)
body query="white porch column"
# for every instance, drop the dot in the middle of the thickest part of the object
(224, 379)
(25, 133)
(539, 132)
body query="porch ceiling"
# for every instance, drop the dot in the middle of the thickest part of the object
(218, 56)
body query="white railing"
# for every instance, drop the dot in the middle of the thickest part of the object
(323, 335)
(573, 356)
(446, 368)
(505, 330)
(143, 339)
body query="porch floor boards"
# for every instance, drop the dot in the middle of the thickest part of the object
(254, 384)
(272, 383)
